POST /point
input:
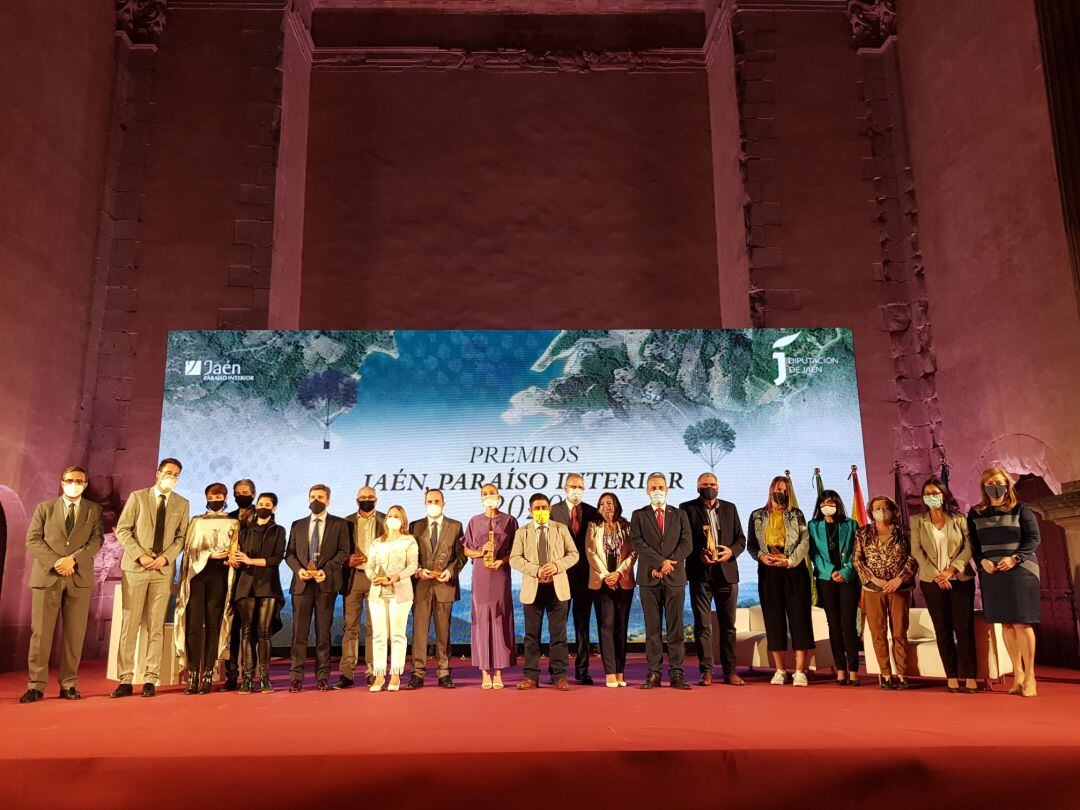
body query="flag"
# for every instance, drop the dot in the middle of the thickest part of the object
(858, 504)
(899, 495)
(793, 502)
(819, 485)
(944, 472)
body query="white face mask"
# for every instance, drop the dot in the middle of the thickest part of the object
(434, 510)
(574, 495)
(880, 515)
(73, 491)
(393, 524)
(166, 484)
(491, 501)
(828, 511)
(658, 498)
(933, 501)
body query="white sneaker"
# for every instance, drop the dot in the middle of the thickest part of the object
(800, 679)
(779, 677)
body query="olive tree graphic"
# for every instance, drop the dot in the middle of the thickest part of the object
(710, 440)
(327, 395)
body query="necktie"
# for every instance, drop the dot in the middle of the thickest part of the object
(542, 551)
(660, 520)
(434, 537)
(315, 540)
(159, 527)
(69, 522)
(575, 519)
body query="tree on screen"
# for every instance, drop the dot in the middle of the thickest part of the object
(327, 395)
(710, 440)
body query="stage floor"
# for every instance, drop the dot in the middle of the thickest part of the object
(759, 745)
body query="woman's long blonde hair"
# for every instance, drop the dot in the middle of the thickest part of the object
(1010, 501)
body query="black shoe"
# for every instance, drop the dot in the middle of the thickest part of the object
(231, 683)
(192, 684)
(71, 693)
(678, 682)
(207, 683)
(901, 683)
(651, 682)
(34, 695)
(294, 685)
(265, 685)
(415, 682)
(551, 680)
(323, 685)
(446, 682)
(369, 679)
(585, 680)
(885, 683)
(123, 690)
(344, 683)
(149, 690)
(245, 686)
(853, 680)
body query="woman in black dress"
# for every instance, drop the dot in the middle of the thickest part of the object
(258, 598)
(1004, 536)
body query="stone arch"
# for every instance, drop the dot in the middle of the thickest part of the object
(1023, 454)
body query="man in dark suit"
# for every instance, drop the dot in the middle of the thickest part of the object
(714, 580)
(318, 548)
(64, 535)
(576, 515)
(244, 498)
(440, 546)
(365, 524)
(660, 535)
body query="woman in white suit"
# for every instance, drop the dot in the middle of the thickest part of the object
(611, 572)
(391, 564)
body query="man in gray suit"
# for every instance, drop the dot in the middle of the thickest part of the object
(441, 553)
(365, 524)
(64, 535)
(151, 529)
(543, 551)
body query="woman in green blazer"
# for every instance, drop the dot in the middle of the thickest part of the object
(832, 541)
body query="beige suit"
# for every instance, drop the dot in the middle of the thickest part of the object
(524, 556)
(52, 595)
(598, 569)
(925, 551)
(145, 593)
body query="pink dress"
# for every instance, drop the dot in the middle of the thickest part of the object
(493, 643)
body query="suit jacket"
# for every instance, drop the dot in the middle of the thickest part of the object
(268, 545)
(730, 535)
(924, 549)
(449, 553)
(819, 549)
(135, 529)
(560, 513)
(397, 557)
(47, 539)
(598, 567)
(525, 557)
(652, 549)
(349, 573)
(333, 553)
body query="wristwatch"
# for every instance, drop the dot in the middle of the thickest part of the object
(1017, 558)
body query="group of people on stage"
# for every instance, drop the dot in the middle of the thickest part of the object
(576, 561)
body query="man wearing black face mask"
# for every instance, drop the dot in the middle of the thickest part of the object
(714, 577)
(365, 524)
(244, 498)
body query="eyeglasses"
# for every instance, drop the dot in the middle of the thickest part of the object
(72, 481)
(175, 477)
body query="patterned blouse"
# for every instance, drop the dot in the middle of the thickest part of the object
(884, 559)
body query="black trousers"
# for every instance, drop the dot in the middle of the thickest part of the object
(558, 653)
(614, 620)
(785, 606)
(256, 614)
(202, 622)
(953, 615)
(705, 593)
(840, 600)
(663, 603)
(304, 604)
(583, 605)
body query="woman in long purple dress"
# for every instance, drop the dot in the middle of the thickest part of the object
(493, 645)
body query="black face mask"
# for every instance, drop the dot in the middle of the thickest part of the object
(708, 493)
(781, 498)
(215, 506)
(365, 506)
(996, 491)
(317, 507)
(243, 501)
(263, 512)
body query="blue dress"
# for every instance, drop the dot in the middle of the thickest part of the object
(1008, 597)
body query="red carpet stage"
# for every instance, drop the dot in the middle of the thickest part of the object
(758, 746)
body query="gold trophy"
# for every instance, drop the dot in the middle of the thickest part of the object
(234, 545)
(437, 569)
(311, 569)
(710, 544)
(380, 578)
(489, 548)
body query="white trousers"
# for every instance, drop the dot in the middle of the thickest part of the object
(389, 618)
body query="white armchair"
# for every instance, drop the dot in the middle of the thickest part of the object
(751, 646)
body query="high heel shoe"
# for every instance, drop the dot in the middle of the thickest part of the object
(377, 684)
(885, 682)
(1017, 686)
(1030, 687)
(971, 690)
(953, 689)
(207, 684)
(192, 684)
(395, 683)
